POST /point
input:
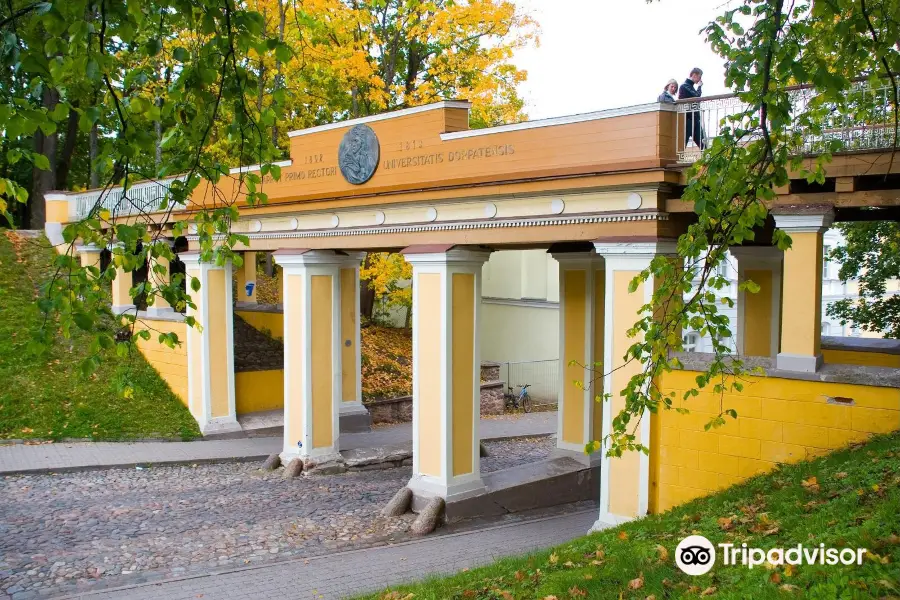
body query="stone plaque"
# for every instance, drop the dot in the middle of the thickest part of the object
(358, 154)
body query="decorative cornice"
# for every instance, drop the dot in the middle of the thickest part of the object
(456, 225)
(566, 120)
(383, 116)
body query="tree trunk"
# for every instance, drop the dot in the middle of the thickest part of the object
(43, 181)
(95, 173)
(279, 81)
(68, 149)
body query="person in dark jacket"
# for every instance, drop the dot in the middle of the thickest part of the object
(668, 93)
(693, 88)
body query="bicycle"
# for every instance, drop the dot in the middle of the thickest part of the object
(521, 400)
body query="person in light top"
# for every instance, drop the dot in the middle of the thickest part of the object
(668, 93)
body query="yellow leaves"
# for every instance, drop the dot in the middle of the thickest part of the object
(662, 552)
(726, 523)
(554, 558)
(841, 475)
(811, 485)
(709, 591)
(622, 535)
(576, 592)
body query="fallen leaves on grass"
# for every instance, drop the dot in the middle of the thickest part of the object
(663, 553)
(811, 485)
(637, 583)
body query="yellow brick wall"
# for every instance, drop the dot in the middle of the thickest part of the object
(869, 359)
(779, 421)
(170, 363)
(255, 391)
(274, 322)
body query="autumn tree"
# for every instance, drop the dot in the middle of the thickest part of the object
(870, 256)
(389, 277)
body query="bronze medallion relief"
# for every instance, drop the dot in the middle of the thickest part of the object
(358, 154)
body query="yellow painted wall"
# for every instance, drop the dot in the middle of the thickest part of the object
(870, 359)
(297, 333)
(272, 321)
(623, 472)
(258, 390)
(57, 211)
(322, 334)
(779, 421)
(428, 368)
(575, 287)
(218, 342)
(758, 315)
(170, 363)
(802, 295)
(463, 364)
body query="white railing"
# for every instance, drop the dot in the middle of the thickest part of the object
(143, 197)
(865, 121)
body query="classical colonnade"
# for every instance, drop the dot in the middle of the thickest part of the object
(320, 292)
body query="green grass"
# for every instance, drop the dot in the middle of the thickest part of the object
(45, 396)
(854, 501)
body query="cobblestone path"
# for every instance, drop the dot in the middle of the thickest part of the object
(69, 532)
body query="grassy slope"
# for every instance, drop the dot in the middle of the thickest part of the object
(854, 501)
(46, 396)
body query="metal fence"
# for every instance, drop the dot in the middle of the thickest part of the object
(863, 120)
(542, 375)
(144, 197)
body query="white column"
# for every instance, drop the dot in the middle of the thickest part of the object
(354, 417)
(446, 371)
(624, 481)
(801, 306)
(211, 347)
(312, 354)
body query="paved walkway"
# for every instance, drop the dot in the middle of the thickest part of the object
(22, 458)
(364, 571)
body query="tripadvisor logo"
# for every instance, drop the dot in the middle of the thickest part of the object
(696, 555)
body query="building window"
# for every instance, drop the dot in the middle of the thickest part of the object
(826, 264)
(826, 328)
(691, 340)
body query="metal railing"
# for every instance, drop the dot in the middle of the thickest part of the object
(143, 197)
(542, 375)
(863, 121)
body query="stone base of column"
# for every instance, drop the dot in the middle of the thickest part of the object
(798, 363)
(118, 310)
(320, 463)
(160, 311)
(222, 427)
(354, 418)
(607, 520)
(424, 488)
(588, 460)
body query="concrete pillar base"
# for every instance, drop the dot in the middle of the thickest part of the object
(160, 311)
(798, 363)
(607, 520)
(222, 426)
(425, 488)
(118, 310)
(353, 417)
